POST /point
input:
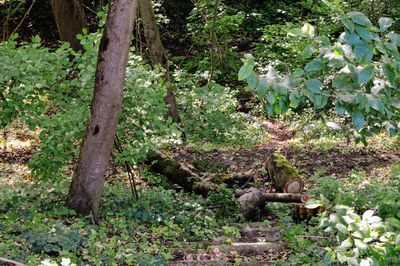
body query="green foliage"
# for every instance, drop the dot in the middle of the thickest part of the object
(49, 92)
(209, 114)
(207, 166)
(59, 239)
(363, 240)
(34, 225)
(225, 203)
(28, 73)
(358, 74)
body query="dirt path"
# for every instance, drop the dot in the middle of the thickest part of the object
(332, 162)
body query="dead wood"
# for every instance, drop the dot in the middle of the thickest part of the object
(252, 201)
(284, 175)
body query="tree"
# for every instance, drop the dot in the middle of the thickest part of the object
(157, 52)
(70, 20)
(87, 183)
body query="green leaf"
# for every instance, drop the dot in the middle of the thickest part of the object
(313, 204)
(246, 70)
(340, 109)
(394, 222)
(329, 258)
(347, 98)
(252, 80)
(294, 100)
(340, 81)
(363, 53)
(360, 19)
(365, 34)
(390, 74)
(271, 97)
(314, 86)
(351, 38)
(308, 51)
(296, 33)
(348, 23)
(298, 73)
(366, 74)
(323, 40)
(394, 37)
(375, 103)
(314, 66)
(341, 228)
(36, 39)
(385, 23)
(358, 119)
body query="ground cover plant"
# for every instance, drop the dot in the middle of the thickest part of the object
(153, 142)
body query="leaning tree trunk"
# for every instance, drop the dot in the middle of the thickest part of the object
(70, 20)
(87, 183)
(157, 52)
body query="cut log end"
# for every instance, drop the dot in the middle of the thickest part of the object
(294, 185)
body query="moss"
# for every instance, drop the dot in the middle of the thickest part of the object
(284, 166)
(207, 166)
(221, 177)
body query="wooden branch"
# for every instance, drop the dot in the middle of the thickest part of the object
(252, 201)
(8, 261)
(23, 18)
(286, 197)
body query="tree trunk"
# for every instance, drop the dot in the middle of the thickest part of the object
(70, 20)
(87, 183)
(157, 52)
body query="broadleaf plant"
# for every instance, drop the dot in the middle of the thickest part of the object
(358, 74)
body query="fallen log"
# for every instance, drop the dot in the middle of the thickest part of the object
(252, 201)
(184, 174)
(179, 173)
(5, 261)
(286, 197)
(284, 175)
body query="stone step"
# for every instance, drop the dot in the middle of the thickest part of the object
(249, 249)
(254, 234)
(221, 263)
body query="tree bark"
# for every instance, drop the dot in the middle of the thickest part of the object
(87, 183)
(284, 175)
(70, 19)
(157, 52)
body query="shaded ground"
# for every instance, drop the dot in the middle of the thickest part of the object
(261, 244)
(337, 161)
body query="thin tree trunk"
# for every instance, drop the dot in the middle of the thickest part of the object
(157, 52)
(87, 183)
(213, 40)
(70, 19)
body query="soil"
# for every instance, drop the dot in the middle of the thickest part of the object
(333, 162)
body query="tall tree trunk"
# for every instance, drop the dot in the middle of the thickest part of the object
(70, 20)
(87, 183)
(157, 52)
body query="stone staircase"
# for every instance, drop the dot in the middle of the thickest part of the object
(258, 246)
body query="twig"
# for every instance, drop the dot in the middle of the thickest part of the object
(11, 262)
(256, 169)
(24, 17)
(314, 237)
(128, 169)
(88, 8)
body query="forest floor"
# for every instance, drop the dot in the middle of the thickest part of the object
(250, 243)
